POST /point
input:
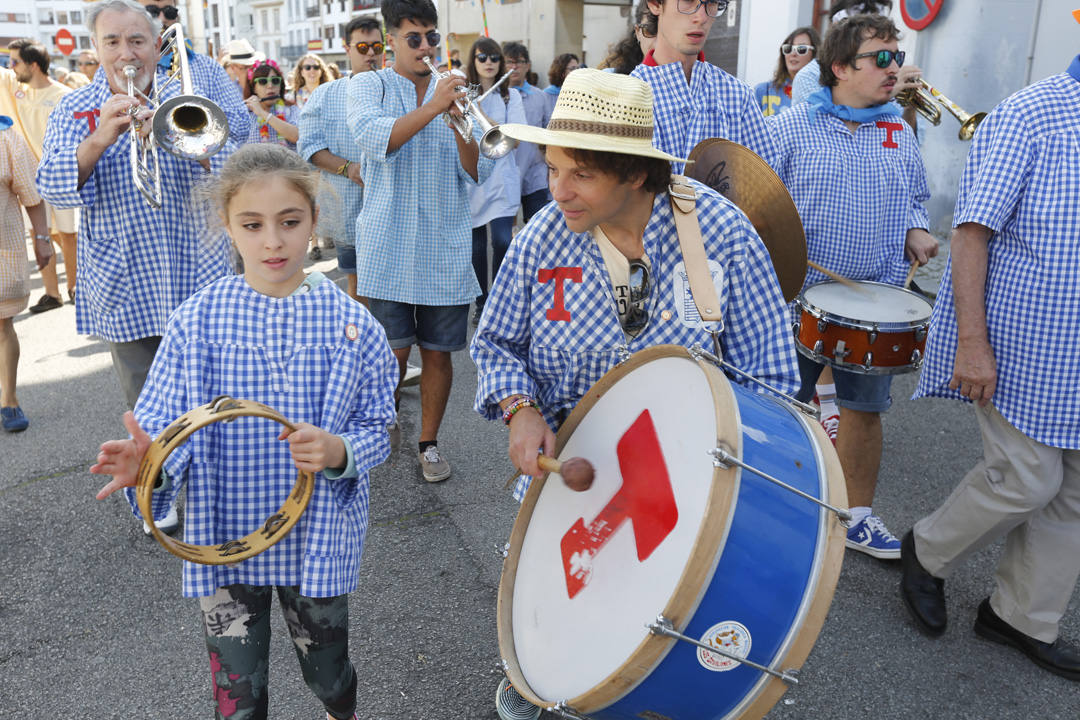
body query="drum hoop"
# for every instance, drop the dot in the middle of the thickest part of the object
(701, 562)
(820, 313)
(858, 368)
(221, 409)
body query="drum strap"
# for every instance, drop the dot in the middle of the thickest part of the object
(683, 202)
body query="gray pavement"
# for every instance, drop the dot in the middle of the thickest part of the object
(94, 625)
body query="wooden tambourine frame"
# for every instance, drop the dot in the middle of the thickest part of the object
(221, 409)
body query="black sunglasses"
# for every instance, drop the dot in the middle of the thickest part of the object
(169, 12)
(883, 58)
(376, 47)
(415, 39)
(271, 79)
(484, 57)
(309, 67)
(637, 316)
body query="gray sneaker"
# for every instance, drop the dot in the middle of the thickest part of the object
(434, 465)
(412, 375)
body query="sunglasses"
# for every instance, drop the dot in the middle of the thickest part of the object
(637, 317)
(375, 47)
(169, 12)
(883, 58)
(484, 57)
(267, 79)
(414, 40)
(788, 48)
(713, 8)
(309, 67)
(88, 62)
(644, 30)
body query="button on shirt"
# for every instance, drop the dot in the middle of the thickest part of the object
(858, 193)
(713, 105)
(414, 233)
(1022, 181)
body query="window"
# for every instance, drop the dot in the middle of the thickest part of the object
(61, 17)
(84, 42)
(76, 17)
(45, 17)
(214, 14)
(277, 19)
(264, 21)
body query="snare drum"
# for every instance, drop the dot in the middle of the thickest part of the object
(875, 329)
(673, 537)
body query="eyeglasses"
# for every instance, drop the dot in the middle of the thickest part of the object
(713, 8)
(515, 63)
(271, 79)
(414, 40)
(645, 30)
(376, 47)
(883, 58)
(637, 317)
(788, 48)
(484, 57)
(169, 12)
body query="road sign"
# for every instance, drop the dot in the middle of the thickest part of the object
(918, 14)
(65, 41)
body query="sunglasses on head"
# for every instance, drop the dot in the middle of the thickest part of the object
(375, 47)
(637, 316)
(788, 48)
(267, 79)
(169, 12)
(414, 40)
(883, 58)
(484, 57)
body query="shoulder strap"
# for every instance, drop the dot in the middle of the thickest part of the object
(683, 208)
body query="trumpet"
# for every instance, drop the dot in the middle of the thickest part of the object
(928, 101)
(493, 143)
(187, 126)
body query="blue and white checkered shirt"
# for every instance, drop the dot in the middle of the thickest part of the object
(1022, 181)
(414, 233)
(713, 105)
(520, 348)
(135, 264)
(857, 193)
(806, 82)
(316, 357)
(530, 162)
(263, 131)
(323, 127)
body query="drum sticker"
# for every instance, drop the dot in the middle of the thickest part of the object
(683, 298)
(645, 499)
(351, 331)
(731, 637)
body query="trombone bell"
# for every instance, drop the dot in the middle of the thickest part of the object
(190, 127)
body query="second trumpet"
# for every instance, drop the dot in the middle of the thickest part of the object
(493, 143)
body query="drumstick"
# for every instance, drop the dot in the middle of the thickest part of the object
(838, 278)
(576, 472)
(911, 273)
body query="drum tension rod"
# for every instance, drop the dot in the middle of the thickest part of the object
(663, 626)
(566, 712)
(697, 351)
(724, 459)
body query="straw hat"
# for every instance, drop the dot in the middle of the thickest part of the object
(241, 52)
(600, 111)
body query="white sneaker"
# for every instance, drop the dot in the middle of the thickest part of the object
(167, 524)
(434, 465)
(412, 375)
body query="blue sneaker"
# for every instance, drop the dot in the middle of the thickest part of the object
(873, 538)
(13, 419)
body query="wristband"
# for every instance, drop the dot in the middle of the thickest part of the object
(519, 403)
(343, 171)
(43, 237)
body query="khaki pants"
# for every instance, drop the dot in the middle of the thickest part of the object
(1029, 493)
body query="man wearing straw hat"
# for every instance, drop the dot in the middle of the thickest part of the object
(1003, 336)
(599, 273)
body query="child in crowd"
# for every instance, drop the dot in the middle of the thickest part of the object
(275, 120)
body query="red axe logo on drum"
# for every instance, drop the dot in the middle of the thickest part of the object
(645, 499)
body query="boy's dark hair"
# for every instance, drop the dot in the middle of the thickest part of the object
(516, 50)
(645, 18)
(858, 7)
(421, 12)
(557, 71)
(781, 75)
(31, 52)
(843, 40)
(622, 166)
(365, 23)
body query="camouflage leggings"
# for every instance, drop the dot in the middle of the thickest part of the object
(237, 623)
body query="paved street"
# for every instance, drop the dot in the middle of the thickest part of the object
(94, 625)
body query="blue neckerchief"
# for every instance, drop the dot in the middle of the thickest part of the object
(5, 122)
(166, 60)
(1074, 68)
(821, 101)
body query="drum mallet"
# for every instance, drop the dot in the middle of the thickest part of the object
(577, 473)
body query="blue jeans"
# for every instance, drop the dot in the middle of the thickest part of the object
(501, 234)
(434, 327)
(856, 391)
(531, 203)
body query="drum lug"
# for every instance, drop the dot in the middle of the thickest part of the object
(868, 361)
(916, 357)
(566, 712)
(819, 347)
(795, 328)
(872, 334)
(841, 351)
(503, 550)
(920, 333)
(822, 326)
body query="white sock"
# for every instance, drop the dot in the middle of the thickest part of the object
(826, 395)
(858, 514)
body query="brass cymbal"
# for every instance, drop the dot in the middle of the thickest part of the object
(741, 176)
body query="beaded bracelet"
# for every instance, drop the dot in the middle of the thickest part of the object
(521, 402)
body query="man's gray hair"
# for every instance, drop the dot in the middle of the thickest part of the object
(120, 6)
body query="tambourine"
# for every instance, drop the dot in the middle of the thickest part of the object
(221, 409)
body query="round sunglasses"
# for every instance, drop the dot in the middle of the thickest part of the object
(414, 40)
(883, 58)
(376, 47)
(484, 57)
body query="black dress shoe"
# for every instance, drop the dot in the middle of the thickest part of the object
(1059, 657)
(46, 303)
(923, 593)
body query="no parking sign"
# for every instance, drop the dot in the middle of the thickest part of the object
(918, 14)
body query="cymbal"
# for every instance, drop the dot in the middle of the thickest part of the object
(741, 176)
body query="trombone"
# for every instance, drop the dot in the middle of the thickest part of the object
(928, 101)
(493, 143)
(188, 126)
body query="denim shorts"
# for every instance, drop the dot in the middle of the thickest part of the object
(432, 327)
(855, 391)
(346, 258)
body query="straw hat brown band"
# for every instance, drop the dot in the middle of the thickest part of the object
(602, 128)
